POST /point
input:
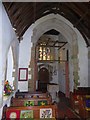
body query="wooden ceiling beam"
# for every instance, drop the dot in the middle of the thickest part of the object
(10, 4)
(22, 15)
(75, 25)
(55, 42)
(74, 8)
(26, 18)
(19, 13)
(82, 6)
(24, 21)
(59, 46)
(22, 24)
(49, 46)
(70, 15)
(50, 61)
(62, 45)
(15, 7)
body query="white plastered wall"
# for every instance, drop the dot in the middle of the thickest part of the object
(0, 60)
(25, 57)
(7, 39)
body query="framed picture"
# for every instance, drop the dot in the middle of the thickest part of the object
(23, 74)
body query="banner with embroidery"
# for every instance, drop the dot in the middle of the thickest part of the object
(42, 103)
(13, 114)
(46, 113)
(26, 114)
(29, 103)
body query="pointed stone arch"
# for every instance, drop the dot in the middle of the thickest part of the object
(68, 33)
(76, 45)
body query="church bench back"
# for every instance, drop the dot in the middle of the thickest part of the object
(35, 112)
(79, 103)
(30, 101)
(75, 95)
(84, 106)
(31, 95)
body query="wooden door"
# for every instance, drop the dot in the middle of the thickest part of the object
(43, 76)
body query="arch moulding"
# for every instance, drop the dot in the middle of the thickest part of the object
(68, 33)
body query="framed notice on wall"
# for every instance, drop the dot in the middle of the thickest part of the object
(23, 74)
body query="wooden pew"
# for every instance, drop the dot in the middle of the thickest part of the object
(84, 106)
(74, 100)
(34, 112)
(32, 95)
(78, 98)
(31, 101)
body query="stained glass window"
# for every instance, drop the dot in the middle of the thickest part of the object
(44, 53)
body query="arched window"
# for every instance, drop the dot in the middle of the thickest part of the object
(8, 85)
(10, 63)
(44, 53)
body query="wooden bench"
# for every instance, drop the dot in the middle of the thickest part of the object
(84, 106)
(31, 101)
(33, 112)
(32, 95)
(74, 100)
(78, 99)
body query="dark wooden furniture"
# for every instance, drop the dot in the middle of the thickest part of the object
(42, 86)
(84, 106)
(31, 101)
(36, 111)
(78, 100)
(74, 100)
(32, 95)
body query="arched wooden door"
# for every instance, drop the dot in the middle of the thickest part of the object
(43, 76)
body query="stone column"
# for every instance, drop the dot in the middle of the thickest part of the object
(15, 82)
(75, 62)
(15, 51)
(32, 65)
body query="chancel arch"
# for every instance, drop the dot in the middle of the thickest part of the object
(65, 28)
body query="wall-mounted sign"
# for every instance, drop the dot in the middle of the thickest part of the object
(23, 74)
